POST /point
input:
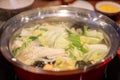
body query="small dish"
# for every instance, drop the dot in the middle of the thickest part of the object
(109, 8)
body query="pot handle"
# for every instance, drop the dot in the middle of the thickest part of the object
(118, 53)
(118, 30)
(2, 26)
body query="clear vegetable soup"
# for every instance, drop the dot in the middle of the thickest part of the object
(57, 46)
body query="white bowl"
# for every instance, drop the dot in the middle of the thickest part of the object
(15, 4)
(82, 4)
(109, 11)
(13, 7)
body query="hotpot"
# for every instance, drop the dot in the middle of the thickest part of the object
(60, 13)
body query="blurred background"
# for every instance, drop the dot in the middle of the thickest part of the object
(9, 8)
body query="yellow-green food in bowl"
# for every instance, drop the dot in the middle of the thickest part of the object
(108, 8)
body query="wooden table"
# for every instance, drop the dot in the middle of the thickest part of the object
(44, 3)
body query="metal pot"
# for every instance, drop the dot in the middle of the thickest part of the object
(61, 13)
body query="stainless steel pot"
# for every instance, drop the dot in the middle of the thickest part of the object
(61, 13)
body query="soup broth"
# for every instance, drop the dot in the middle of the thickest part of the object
(59, 46)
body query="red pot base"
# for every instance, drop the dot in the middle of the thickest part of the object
(95, 74)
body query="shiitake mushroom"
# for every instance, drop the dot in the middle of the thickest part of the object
(81, 63)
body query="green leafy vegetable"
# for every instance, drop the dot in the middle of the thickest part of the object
(85, 29)
(75, 40)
